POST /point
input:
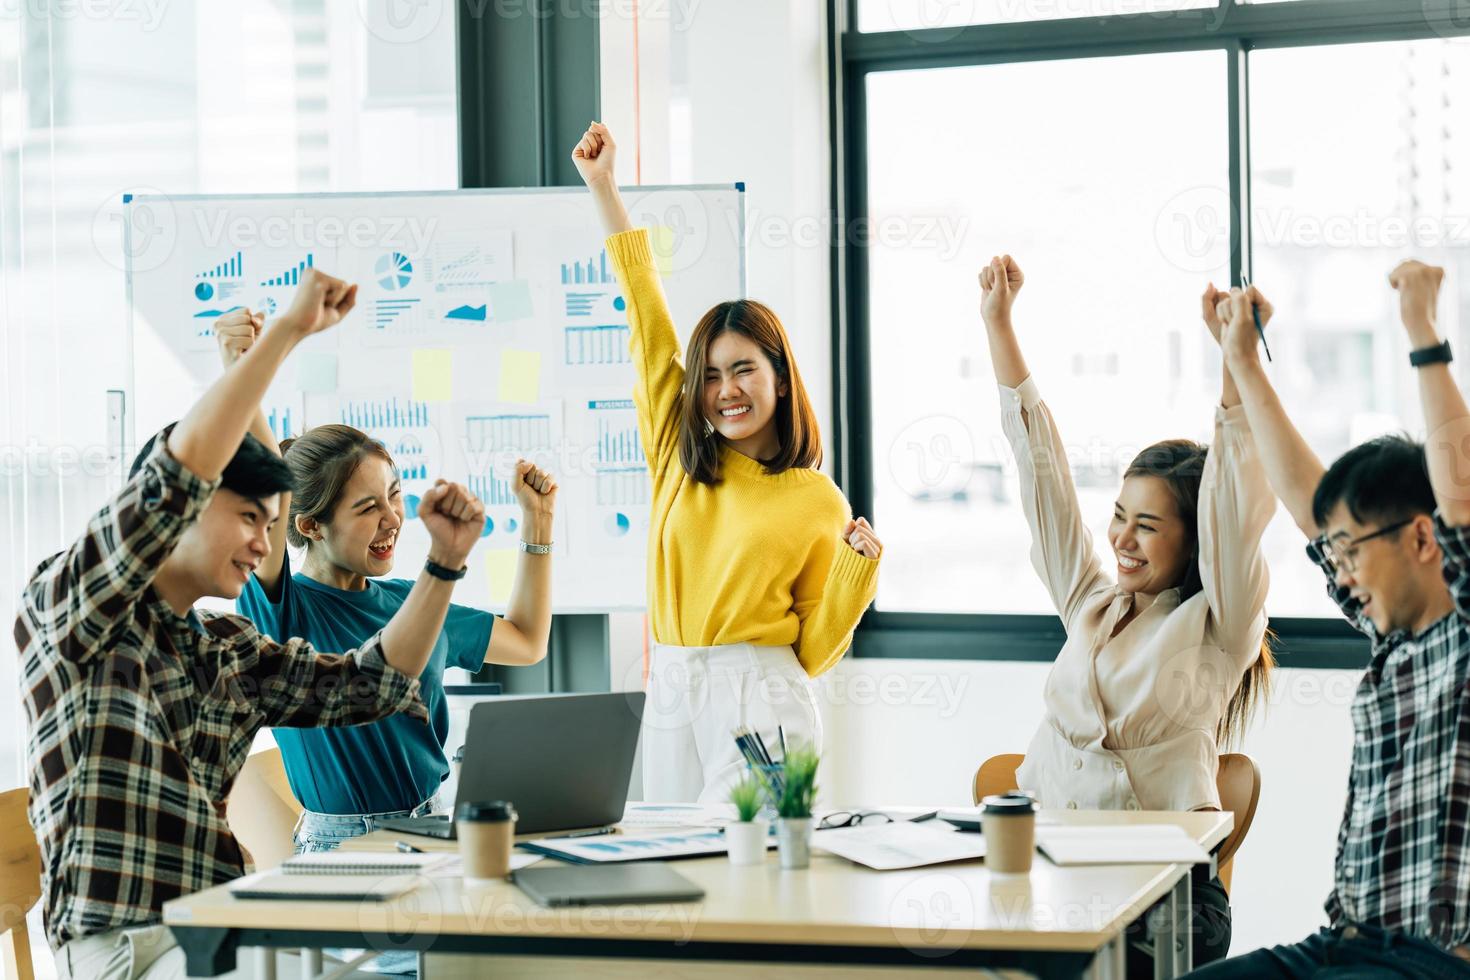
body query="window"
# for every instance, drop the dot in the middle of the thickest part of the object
(1115, 153)
(1088, 183)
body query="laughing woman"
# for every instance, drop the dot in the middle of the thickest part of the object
(1168, 660)
(346, 511)
(757, 572)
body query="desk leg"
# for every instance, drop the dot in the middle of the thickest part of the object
(311, 962)
(1164, 929)
(1184, 925)
(1111, 962)
(265, 963)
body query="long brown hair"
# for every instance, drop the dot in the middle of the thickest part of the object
(1180, 463)
(795, 421)
(322, 461)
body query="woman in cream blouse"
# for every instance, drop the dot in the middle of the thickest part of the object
(1166, 659)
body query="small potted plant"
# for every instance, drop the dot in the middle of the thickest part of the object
(745, 839)
(794, 808)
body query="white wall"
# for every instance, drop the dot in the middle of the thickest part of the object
(738, 92)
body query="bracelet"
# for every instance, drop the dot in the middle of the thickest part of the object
(1438, 354)
(447, 574)
(536, 549)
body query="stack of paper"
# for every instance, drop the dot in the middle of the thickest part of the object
(890, 846)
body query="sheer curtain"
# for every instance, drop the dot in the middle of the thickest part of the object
(99, 100)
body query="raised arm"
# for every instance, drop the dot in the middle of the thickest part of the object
(235, 333)
(831, 594)
(454, 518)
(1235, 505)
(1292, 468)
(1061, 547)
(653, 341)
(1446, 417)
(207, 438)
(74, 597)
(521, 637)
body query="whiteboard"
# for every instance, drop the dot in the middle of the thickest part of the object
(488, 326)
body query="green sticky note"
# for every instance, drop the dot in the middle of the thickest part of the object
(511, 301)
(433, 375)
(661, 244)
(316, 373)
(500, 573)
(520, 376)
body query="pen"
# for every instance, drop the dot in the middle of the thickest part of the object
(781, 733)
(1245, 283)
(594, 832)
(404, 847)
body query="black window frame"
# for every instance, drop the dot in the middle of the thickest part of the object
(1234, 28)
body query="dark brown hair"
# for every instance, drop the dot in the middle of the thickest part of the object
(1180, 463)
(795, 421)
(322, 461)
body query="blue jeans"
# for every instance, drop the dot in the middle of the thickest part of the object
(317, 832)
(324, 831)
(1345, 953)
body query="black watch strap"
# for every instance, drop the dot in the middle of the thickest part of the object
(447, 574)
(1438, 354)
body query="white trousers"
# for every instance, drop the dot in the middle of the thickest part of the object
(698, 696)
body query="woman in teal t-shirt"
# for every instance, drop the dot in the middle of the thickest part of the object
(346, 512)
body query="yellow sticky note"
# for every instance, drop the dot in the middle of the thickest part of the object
(433, 375)
(500, 572)
(661, 243)
(520, 376)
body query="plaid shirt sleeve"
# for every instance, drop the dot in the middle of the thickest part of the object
(295, 686)
(1318, 551)
(77, 596)
(1455, 543)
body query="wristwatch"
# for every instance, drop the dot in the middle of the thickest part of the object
(447, 574)
(1438, 354)
(535, 549)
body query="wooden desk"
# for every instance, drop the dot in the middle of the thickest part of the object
(1056, 922)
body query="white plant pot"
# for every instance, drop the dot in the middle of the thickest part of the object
(794, 842)
(746, 842)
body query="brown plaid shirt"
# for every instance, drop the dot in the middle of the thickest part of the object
(140, 719)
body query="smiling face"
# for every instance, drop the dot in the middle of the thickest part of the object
(219, 552)
(362, 533)
(1152, 543)
(1393, 574)
(741, 392)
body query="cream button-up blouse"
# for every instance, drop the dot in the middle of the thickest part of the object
(1130, 719)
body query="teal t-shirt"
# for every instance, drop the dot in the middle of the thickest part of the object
(392, 764)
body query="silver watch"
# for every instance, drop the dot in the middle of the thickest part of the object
(536, 549)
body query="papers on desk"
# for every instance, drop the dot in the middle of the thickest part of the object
(891, 846)
(616, 847)
(1101, 844)
(677, 815)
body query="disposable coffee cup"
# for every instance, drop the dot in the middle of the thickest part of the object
(486, 834)
(1009, 824)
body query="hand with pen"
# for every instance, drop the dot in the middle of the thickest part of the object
(1239, 317)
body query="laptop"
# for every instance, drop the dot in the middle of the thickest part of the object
(564, 761)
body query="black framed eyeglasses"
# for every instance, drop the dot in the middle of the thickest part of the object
(852, 818)
(1344, 556)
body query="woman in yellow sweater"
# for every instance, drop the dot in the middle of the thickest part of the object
(757, 573)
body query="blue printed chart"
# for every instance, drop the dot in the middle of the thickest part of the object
(214, 291)
(493, 441)
(620, 472)
(596, 346)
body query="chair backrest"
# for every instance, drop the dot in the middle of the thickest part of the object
(261, 811)
(20, 883)
(996, 774)
(1238, 781)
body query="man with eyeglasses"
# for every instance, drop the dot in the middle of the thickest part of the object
(1390, 528)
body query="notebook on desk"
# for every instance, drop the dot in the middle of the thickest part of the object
(278, 886)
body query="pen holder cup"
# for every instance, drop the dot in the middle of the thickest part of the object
(772, 778)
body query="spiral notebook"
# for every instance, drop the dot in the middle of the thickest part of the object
(339, 876)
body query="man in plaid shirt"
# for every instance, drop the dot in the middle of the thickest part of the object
(1390, 527)
(142, 712)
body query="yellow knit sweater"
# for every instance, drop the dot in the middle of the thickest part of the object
(757, 558)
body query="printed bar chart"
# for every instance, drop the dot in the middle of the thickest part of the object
(388, 413)
(604, 344)
(291, 276)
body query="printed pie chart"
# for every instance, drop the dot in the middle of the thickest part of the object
(394, 271)
(618, 525)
